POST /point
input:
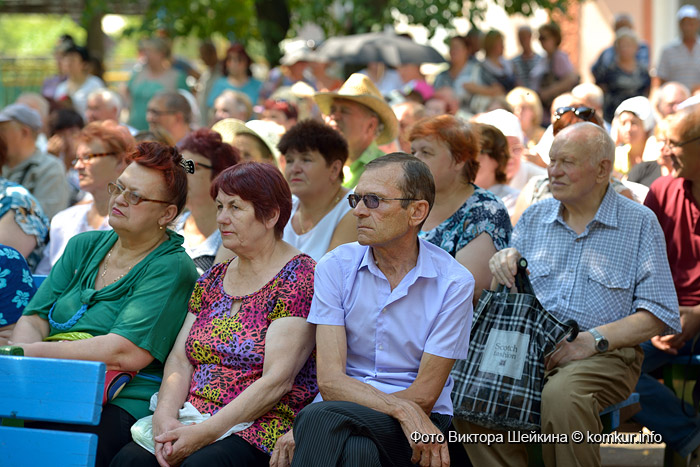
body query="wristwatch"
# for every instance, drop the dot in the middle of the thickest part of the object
(601, 343)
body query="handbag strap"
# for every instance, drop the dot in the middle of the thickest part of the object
(522, 281)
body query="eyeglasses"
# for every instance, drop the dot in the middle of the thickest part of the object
(673, 145)
(372, 201)
(204, 166)
(89, 157)
(584, 113)
(159, 113)
(132, 198)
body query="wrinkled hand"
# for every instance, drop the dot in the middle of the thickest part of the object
(690, 327)
(504, 266)
(163, 424)
(425, 454)
(284, 451)
(582, 347)
(184, 441)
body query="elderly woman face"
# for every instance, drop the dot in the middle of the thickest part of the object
(96, 166)
(631, 128)
(138, 200)
(240, 230)
(308, 173)
(526, 115)
(437, 155)
(626, 48)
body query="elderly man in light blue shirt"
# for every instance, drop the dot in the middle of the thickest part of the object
(599, 258)
(393, 314)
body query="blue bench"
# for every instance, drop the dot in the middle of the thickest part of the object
(50, 390)
(676, 371)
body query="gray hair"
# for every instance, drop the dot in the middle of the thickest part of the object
(625, 33)
(241, 102)
(590, 93)
(596, 141)
(176, 102)
(110, 98)
(417, 181)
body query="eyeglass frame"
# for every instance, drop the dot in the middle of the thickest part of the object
(160, 113)
(205, 166)
(561, 111)
(354, 197)
(672, 144)
(87, 158)
(112, 189)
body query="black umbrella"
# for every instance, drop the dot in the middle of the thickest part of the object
(377, 47)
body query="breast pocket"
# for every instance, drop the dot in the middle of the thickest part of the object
(539, 275)
(609, 293)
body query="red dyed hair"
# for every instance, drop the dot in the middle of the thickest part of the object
(261, 184)
(115, 138)
(208, 143)
(288, 108)
(165, 159)
(462, 139)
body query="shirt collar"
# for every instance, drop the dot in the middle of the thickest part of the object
(424, 265)
(606, 214)
(368, 155)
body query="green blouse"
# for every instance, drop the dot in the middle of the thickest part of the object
(147, 306)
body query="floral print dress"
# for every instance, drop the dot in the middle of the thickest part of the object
(481, 212)
(227, 352)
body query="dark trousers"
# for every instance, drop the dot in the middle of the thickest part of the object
(233, 451)
(338, 433)
(113, 432)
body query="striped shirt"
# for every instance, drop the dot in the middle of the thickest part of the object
(677, 63)
(618, 265)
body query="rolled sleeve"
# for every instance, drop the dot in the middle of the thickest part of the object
(449, 335)
(327, 304)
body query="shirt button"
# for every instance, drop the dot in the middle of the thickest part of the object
(383, 310)
(381, 347)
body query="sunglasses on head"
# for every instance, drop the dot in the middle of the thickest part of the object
(584, 113)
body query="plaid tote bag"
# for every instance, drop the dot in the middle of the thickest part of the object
(499, 385)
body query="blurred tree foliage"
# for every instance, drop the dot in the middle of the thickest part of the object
(270, 21)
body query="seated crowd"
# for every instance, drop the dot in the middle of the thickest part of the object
(231, 250)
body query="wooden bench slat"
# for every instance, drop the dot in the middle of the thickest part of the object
(21, 447)
(67, 391)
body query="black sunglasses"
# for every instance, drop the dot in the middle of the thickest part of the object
(584, 113)
(371, 201)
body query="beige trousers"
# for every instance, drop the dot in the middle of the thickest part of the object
(572, 398)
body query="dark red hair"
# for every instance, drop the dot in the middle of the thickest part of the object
(462, 139)
(261, 184)
(114, 137)
(208, 143)
(288, 108)
(165, 159)
(237, 49)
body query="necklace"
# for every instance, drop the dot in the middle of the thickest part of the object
(106, 266)
(336, 200)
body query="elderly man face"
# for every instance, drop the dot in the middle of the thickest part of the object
(388, 221)
(574, 172)
(672, 95)
(98, 110)
(159, 116)
(226, 107)
(353, 120)
(682, 146)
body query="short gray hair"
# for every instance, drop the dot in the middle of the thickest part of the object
(176, 102)
(597, 141)
(110, 98)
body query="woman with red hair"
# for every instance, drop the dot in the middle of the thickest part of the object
(243, 355)
(100, 158)
(468, 222)
(119, 296)
(237, 76)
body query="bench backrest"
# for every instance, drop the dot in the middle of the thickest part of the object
(45, 389)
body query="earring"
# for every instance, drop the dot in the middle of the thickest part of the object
(160, 227)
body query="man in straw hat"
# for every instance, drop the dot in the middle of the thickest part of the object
(361, 114)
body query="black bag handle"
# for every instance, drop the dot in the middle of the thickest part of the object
(523, 285)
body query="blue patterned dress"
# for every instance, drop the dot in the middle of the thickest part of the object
(16, 285)
(481, 212)
(28, 215)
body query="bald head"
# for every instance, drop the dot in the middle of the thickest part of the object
(587, 139)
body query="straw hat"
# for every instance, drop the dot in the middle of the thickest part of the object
(359, 88)
(267, 132)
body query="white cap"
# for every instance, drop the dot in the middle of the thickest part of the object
(687, 11)
(639, 106)
(505, 121)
